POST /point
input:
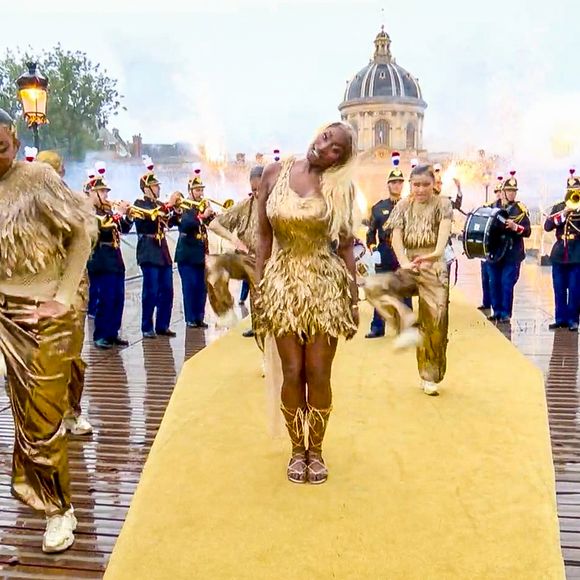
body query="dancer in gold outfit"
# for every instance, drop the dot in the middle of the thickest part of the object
(239, 226)
(45, 240)
(421, 226)
(74, 421)
(307, 294)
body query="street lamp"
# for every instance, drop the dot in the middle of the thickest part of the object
(486, 183)
(32, 92)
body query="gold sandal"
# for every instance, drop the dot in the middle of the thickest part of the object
(317, 470)
(297, 468)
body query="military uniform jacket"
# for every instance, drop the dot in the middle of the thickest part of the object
(192, 245)
(152, 248)
(566, 250)
(380, 213)
(106, 256)
(517, 212)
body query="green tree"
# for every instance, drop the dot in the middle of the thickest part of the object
(82, 97)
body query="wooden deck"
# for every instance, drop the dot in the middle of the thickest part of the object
(127, 391)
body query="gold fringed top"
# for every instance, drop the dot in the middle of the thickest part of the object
(45, 234)
(242, 219)
(420, 221)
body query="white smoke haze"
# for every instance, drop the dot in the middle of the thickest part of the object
(253, 75)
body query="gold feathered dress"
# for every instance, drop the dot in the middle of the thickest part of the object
(304, 290)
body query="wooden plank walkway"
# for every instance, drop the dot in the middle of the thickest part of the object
(127, 391)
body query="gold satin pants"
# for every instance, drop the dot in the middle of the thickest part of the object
(431, 284)
(220, 268)
(38, 360)
(78, 365)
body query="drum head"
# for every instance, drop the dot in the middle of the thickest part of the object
(497, 239)
(484, 236)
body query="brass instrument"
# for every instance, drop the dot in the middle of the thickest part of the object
(572, 202)
(572, 199)
(202, 204)
(145, 214)
(227, 204)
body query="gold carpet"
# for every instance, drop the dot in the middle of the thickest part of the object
(455, 487)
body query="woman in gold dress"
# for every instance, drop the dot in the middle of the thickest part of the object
(421, 226)
(307, 294)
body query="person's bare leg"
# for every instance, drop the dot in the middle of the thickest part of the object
(293, 405)
(319, 355)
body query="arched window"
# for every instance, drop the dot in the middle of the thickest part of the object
(411, 136)
(382, 133)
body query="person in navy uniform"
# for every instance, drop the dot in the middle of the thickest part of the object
(379, 238)
(153, 255)
(505, 273)
(191, 251)
(106, 266)
(485, 282)
(93, 298)
(565, 256)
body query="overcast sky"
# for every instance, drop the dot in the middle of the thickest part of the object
(254, 75)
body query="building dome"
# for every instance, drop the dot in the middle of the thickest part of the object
(383, 79)
(384, 103)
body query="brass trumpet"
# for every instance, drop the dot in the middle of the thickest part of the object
(202, 204)
(227, 204)
(572, 199)
(144, 214)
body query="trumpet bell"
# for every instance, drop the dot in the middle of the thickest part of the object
(227, 204)
(572, 199)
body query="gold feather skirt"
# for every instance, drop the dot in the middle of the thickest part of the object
(305, 287)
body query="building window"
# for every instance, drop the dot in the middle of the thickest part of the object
(382, 133)
(411, 136)
(354, 125)
(382, 74)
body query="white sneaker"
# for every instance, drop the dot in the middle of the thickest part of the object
(407, 339)
(59, 532)
(78, 426)
(430, 388)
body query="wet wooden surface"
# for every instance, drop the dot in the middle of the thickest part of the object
(127, 391)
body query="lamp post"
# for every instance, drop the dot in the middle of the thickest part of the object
(486, 183)
(33, 93)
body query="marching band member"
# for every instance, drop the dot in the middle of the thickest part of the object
(74, 420)
(45, 241)
(106, 265)
(421, 226)
(93, 297)
(504, 274)
(485, 282)
(238, 225)
(191, 251)
(565, 256)
(380, 214)
(153, 255)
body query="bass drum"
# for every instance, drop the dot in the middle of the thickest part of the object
(485, 235)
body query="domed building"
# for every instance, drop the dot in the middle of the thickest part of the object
(383, 102)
